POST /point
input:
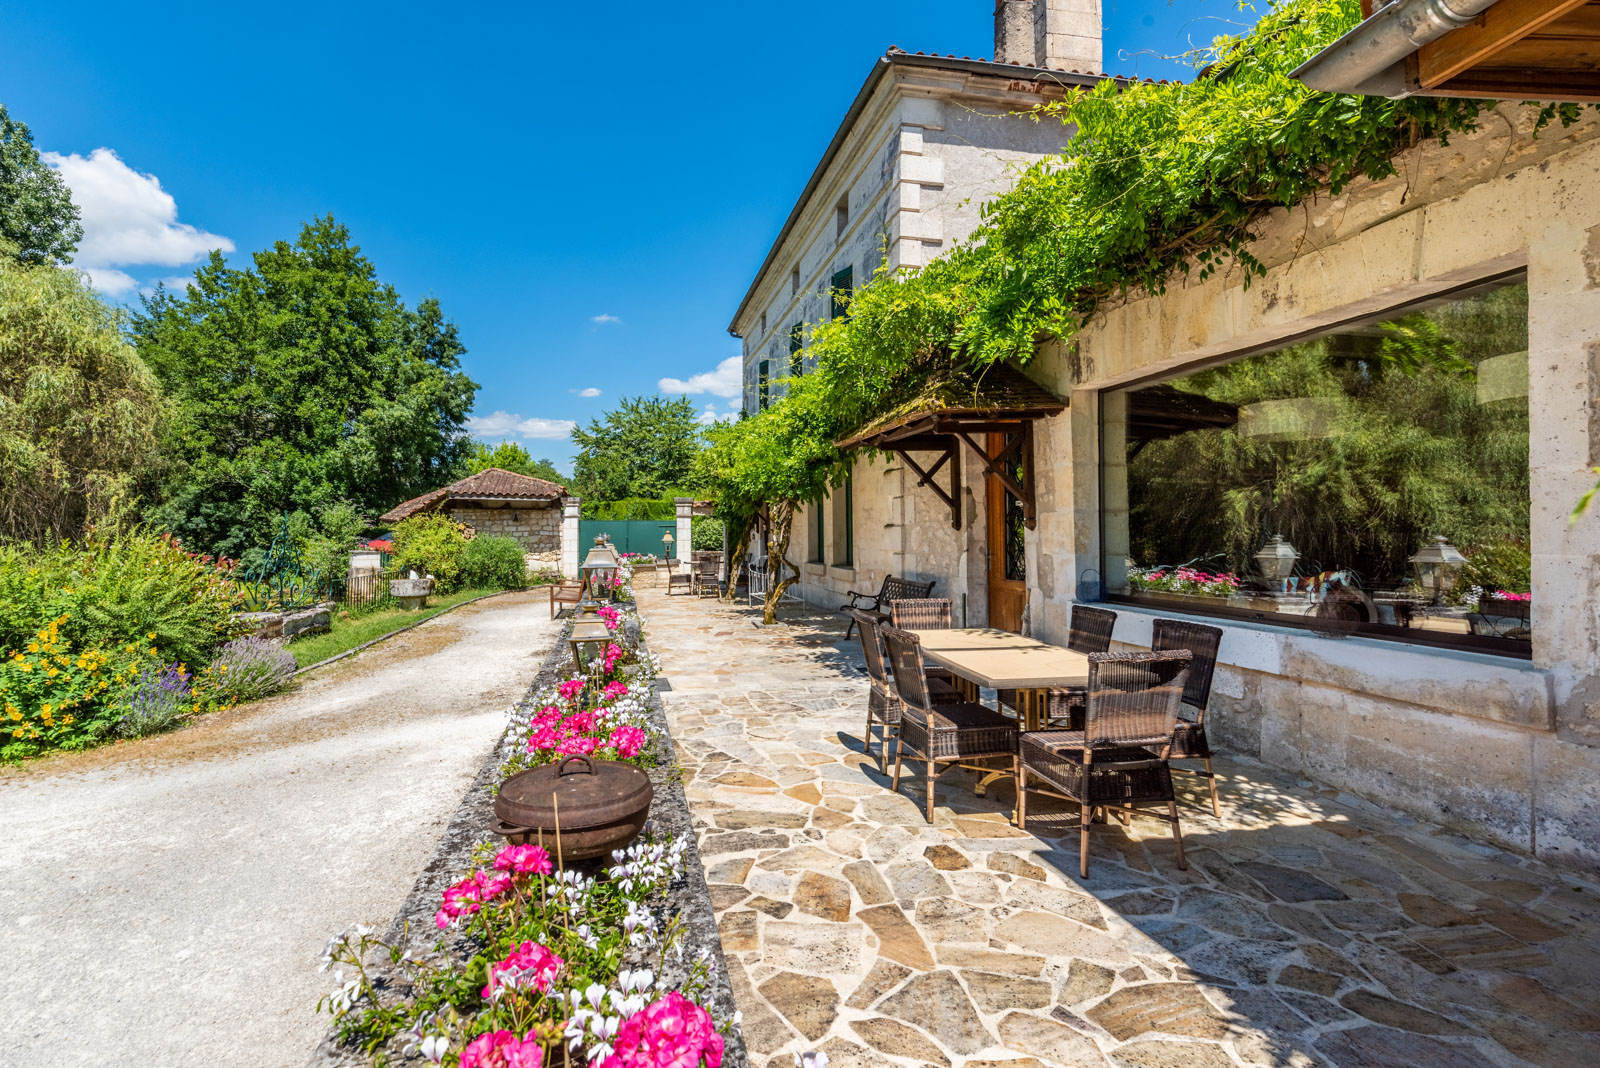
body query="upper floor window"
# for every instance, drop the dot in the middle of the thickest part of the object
(794, 281)
(763, 324)
(763, 378)
(1372, 480)
(841, 289)
(797, 350)
(841, 217)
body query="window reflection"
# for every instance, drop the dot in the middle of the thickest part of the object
(1374, 479)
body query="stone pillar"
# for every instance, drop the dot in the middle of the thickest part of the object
(569, 537)
(1114, 487)
(685, 533)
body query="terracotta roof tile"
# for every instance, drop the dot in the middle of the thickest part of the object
(493, 482)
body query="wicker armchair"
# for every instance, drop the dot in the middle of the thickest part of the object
(1088, 632)
(883, 704)
(1119, 760)
(1189, 736)
(958, 735)
(924, 613)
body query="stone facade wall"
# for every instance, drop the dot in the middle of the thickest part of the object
(538, 529)
(927, 150)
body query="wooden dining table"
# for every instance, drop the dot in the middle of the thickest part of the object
(1001, 660)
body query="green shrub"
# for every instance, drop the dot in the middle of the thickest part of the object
(1503, 564)
(705, 533)
(493, 563)
(432, 545)
(82, 624)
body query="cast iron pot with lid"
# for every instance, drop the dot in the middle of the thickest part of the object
(600, 805)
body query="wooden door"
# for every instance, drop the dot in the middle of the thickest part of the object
(1008, 579)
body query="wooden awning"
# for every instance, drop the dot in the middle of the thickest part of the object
(952, 408)
(1512, 50)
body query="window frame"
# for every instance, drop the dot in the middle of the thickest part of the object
(840, 309)
(763, 384)
(797, 350)
(817, 551)
(845, 542)
(1505, 648)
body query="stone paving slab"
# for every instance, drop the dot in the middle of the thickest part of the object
(1311, 927)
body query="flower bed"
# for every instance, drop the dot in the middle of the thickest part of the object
(1183, 580)
(500, 958)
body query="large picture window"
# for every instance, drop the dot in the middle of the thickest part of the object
(1371, 480)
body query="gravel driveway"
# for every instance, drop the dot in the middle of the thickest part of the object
(165, 901)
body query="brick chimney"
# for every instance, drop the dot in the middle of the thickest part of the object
(1059, 34)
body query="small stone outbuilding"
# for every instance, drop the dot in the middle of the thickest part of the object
(502, 503)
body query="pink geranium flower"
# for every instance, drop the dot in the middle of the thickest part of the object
(469, 895)
(530, 964)
(671, 1032)
(502, 1049)
(524, 860)
(628, 741)
(571, 688)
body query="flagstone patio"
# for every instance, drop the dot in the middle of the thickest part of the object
(1311, 927)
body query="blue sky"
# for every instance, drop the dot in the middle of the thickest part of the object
(588, 188)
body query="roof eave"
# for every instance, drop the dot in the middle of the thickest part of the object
(859, 104)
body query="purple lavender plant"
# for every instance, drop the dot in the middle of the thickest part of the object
(156, 701)
(252, 668)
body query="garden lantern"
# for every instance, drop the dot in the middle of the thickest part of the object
(1437, 566)
(588, 641)
(1276, 560)
(599, 570)
(666, 546)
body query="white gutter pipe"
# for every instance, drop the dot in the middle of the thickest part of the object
(1370, 59)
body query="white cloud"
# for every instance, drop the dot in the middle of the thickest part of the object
(110, 281)
(589, 391)
(604, 319)
(128, 220)
(709, 415)
(726, 381)
(507, 424)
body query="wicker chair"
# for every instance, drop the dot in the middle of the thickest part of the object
(924, 613)
(1089, 632)
(1189, 737)
(954, 734)
(883, 704)
(1119, 760)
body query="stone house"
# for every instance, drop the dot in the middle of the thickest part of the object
(539, 514)
(1484, 719)
(926, 140)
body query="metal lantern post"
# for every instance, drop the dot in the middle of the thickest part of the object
(588, 641)
(1437, 566)
(666, 546)
(598, 569)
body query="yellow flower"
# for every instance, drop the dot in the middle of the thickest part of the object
(66, 719)
(26, 666)
(46, 710)
(53, 672)
(33, 647)
(151, 635)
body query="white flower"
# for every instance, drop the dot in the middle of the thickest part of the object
(817, 1059)
(434, 1047)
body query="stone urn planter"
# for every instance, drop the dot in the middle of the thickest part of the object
(410, 592)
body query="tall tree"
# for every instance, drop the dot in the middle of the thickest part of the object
(510, 456)
(300, 382)
(38, 221)
(79, 411)
(644, 447)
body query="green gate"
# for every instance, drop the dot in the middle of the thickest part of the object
(629, 536)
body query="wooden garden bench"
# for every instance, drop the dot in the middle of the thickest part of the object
(566, 593)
